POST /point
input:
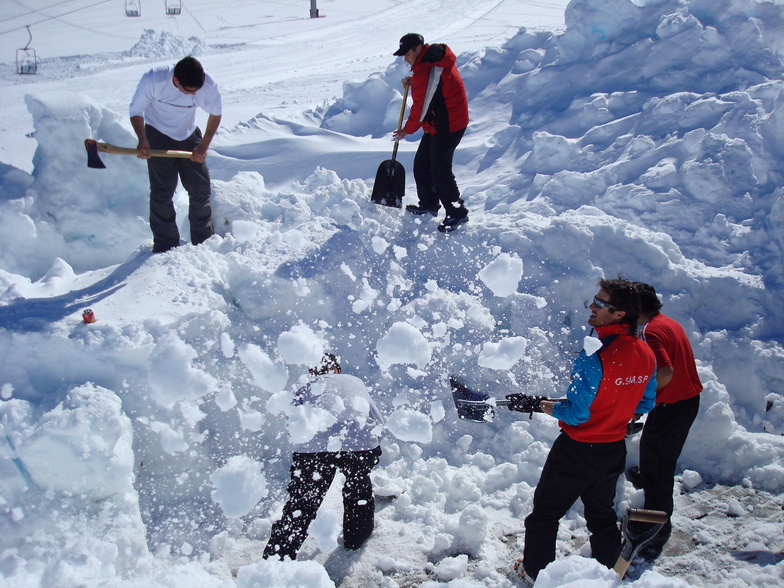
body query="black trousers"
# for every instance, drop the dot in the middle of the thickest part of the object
(573, 470)
(311, 477)
(433, 175)
(164, 173)
(661, 443)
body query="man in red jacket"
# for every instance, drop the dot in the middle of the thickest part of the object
(440, 109)
(677, 403)
(607, 388)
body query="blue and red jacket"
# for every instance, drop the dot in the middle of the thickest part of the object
(440, 100)
(608, 387)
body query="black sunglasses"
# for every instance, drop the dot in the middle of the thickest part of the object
(599, 303)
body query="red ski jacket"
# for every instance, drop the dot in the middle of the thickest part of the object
(608, 387)
(440, 101)
(672, 348)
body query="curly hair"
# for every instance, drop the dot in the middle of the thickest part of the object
(624, 296)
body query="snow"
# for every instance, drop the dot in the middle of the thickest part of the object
(152, 447)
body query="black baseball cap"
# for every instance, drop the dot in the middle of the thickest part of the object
(408, 42)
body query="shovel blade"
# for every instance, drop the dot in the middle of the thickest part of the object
(632, 542)
(390, 185)
(471, 404)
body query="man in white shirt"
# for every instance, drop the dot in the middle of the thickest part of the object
(347, 437)
(163, 115)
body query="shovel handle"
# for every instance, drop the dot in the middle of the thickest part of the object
(114, 149)
(400, 120)
(498, 402)
(647, 516)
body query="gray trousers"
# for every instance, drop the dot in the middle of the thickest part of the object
(164, 174)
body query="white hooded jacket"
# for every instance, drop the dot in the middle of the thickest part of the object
(335, 413)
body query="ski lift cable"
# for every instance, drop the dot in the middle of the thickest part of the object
(48, 18)
(33, 11)
(193, 16)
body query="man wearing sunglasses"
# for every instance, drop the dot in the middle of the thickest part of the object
(607, 389)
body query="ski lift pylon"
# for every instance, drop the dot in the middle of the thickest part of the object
(173, 7)
(133, 7)
(26, 59)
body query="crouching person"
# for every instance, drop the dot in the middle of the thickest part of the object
(349, 441)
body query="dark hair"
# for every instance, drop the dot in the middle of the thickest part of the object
(649, 302)
(624, 296)
(329, 363)
(189, 73)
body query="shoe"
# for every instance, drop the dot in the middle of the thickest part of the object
(650, 552)
(420, 210)
(454, 219)
(635, 477)
(521, 573)
(163, 248)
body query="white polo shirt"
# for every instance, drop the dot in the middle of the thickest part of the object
(168, 109)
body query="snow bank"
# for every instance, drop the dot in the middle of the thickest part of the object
(163, 45)
(72, 482)
(88, 217)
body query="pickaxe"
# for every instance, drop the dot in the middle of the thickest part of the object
(94, 160)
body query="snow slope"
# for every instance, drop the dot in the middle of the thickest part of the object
(148, 448)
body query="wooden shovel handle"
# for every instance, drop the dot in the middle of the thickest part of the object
(647, 516)
(400, 121)
(108, 148)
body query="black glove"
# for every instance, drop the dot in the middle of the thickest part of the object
(524, 402)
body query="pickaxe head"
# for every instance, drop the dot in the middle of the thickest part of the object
(93, 159)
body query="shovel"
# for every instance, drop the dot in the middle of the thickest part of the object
(633, 542)
(390, 185)
(477, 407)
(94, 160)
(472, 405)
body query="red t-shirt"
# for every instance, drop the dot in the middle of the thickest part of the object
(671, 347)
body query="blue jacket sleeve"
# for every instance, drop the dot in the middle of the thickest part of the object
(648, 400)
(586, 378)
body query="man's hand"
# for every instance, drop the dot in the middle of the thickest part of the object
(406, 82)
(547, 406)
(144, 150)
(524, 402)
(137, 122)
(399, 135)
(200, 153)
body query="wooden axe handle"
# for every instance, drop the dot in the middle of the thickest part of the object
(108, 148)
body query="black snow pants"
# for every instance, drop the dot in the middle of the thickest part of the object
(573, 470)
(311, 477)
(663, 437)
(435, 182)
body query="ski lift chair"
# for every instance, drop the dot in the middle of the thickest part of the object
(173, 7)
(26, 59)
(133, 7)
